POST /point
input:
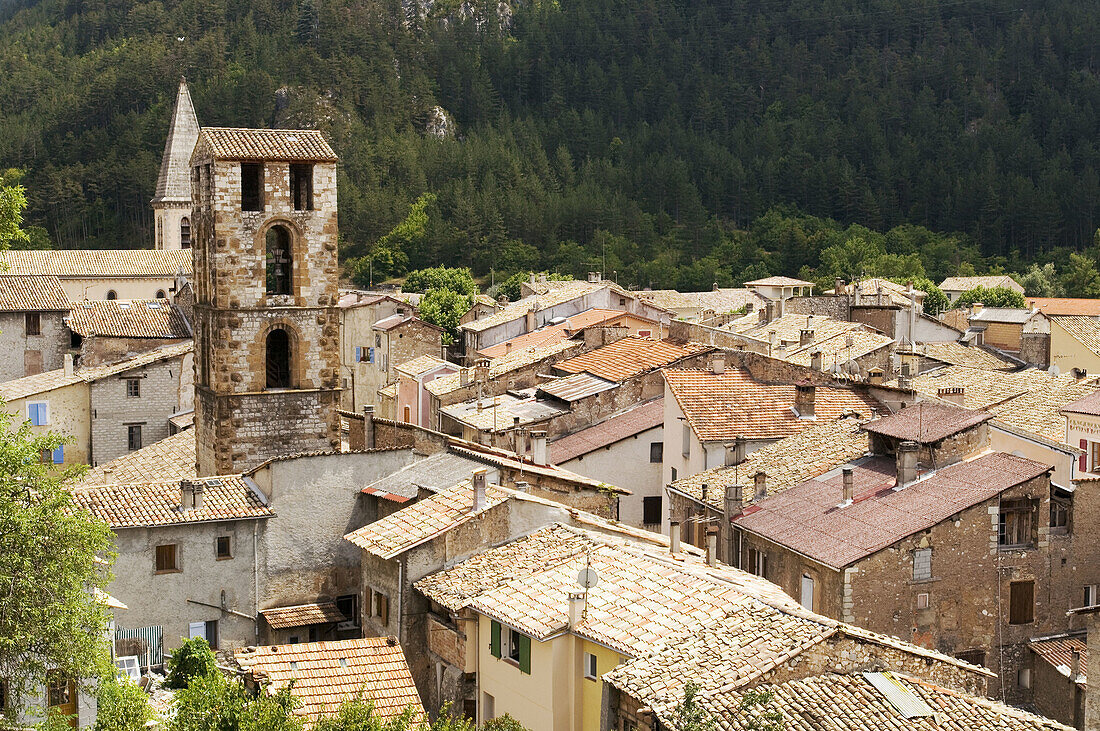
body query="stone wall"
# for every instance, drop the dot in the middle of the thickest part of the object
(26, 355)
(1035, 349)
(1056, 696)
(99, 350)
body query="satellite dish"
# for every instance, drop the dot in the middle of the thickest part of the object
(587, 578)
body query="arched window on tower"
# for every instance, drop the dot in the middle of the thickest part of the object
(185, 232)
(279, 261)
(278, 359)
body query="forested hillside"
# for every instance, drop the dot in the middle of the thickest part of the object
(641, 136)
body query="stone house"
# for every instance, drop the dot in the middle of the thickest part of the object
(32, 325)
(713, 308)
(104, 274)
(411, 400)
(817, 341)
(106, 331)
(568, 327)
(953, 287)
(1083, 430)
(1058, 679)
(1008, 328)
(932, 537)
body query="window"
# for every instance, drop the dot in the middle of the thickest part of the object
(514, 640)
(167, 558)
(130, 666)
(279, 262)
(674, 474)
(58, 455)
(185, 233)
(1094, 456)
(656, 452)
(922, 564)
(349, 607)
(133, 437)
(922, 601)
(406, 415)
(590, 671)
(252, 175)
(807, 599)
(974, 657)
(758, 564)
(1092, 595)
(1023, 678)
(1015, 524)
(133, 388)
(59, 689)
(686, 440)
(278, 359)
(488, 707)
(651, 510)
(206, 630)
(112, 295)
(44, 456)
(1060, 512)
(301, 186)
(381, 607)
(32, 322)
(223, 548)
(161, 295)
(1021, 609)
(507, 643)
(38, 412)
(364, 354)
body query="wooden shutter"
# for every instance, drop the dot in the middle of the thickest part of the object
(494, 639)
(384, 614)
(1021, 609)
(525, 654)
(1083, 460)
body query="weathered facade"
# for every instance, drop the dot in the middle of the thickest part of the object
(267, 327)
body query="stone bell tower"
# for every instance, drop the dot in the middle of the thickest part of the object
(172, 202)
(265, 279)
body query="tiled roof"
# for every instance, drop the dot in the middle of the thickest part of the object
(395, 321)
(779, 282)
(838, 350)
(808, 519)
(927, 422)
(174, 181)
(630, 357)
(813, 452)
(871, 289)
(93, 263)
(500, 413)
(143, 504)
(1088, 405)
(1054, 306)
(561, 331)
(420, 365)
(614, 429)
(1086, 330)
(303, 615)
(972, 356)
(719, 300)
(171, 458)
(560, 293)
(838, 341)
(128, 319)
(1058, 651)
(731, 404)
(788, 328)
(322, 675)
(439, 472)
(307, 145)
(962, 284)
(31, 292)
(422, 521)
(38, 383)
(507, 364)
(1010, 315)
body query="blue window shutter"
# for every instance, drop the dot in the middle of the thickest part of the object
(358, 353)
(370, 357)
(38, 414)
(59, 454)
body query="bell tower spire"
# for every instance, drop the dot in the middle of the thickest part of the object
(172, 202)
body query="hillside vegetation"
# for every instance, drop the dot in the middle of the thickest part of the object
(649, 138)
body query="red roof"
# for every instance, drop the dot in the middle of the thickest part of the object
(1058, 651)
(808, 519)
(622, 426)
(1053, 306)
(629, 357)
(927, 422)
(556, 333)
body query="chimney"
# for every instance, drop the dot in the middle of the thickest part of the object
(502, 301)
(805, 395)
(771, 337)
(674, 536)
(769, 310)
(187, 495)
(576, 607)
(905, 383)
(976, 308)
(762, 316)
(1075, 665)
(481, 371)
(69, 364)
(907, 462)
(703, 489)
(954, 394)
(734, 500)
(805, 337)
(542, 277)
(816, 360)
(718, 365)
(735, 451)
(479, 491)
(906, 368)
(838, 287)
(760, 484)
(530, 319)
(508, 348)
(197, 488)
(849, 486)
(463, 376)
(538, 447)
(712, 546)
(531, 279)
(876, 377)
(749, 308)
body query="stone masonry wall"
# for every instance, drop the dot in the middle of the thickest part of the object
(50, 346)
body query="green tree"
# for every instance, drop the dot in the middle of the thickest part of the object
(192, 659)
(458, 280)
(53, 560)
(13, 200)
(992, 297)
(445, 307)
(1041, 281)
(510, 287)
(122, 705)
(935, 301)
(1080, 277)
(690, 714)
(382, 262)
(214, 702)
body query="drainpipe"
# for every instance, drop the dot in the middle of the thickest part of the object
(255, 580)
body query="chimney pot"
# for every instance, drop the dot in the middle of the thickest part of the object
(703, 491)
(805, 396)
(674, 536)
(463, 376)
(1075, 668)
(816, 360)
(734, 500)
(712, 546)
(907, 462)
(479, 491)
(849, 485)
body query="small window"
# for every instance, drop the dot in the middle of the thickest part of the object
(622, 301)
(252, 175)
(807, 599)
(1016, 524)
(1060, 510)
(1021, 602)
(922, 564)
(44, 456)
(223, 548)
(278, 359)
(112, 295)
(590, 668)
(38, 413)
(651, 510)
(1023, 678)
(674, 474)
(133, 388)
(161, 294)
(381, 608)
(656, 452)
(301, 186)
(513, 644)
(133, 437)
(758, 563)
(59, 689)
(922, 600)
(167, 557)
(686, 440)
(1092, 595)
(130, 666)
(1094, 456)
(349, 607)
(212, 634)
(185, 233)
(33, 323)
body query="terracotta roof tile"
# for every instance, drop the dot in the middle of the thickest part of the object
(421, 364)
(613, 429)
(226, 143)
(302, 615)
(171, 458)
(927, 422)
(560, 293)
(630, 357)
(719, 301)
(500, 366)
(32, 292)
(1054, 306)
(91, 263)
(779, 282)
(325, 674)
(554, 333)
(723, 406)
(972, 356)
(142, 504)
(128, 319)
(500, 413)
(1058, 651)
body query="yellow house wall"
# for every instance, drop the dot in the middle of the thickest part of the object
(135, 288)
(592, 690)
(68, 416)
(527, 698)
(1068, 352)
(1061, 462)
(1003, 335)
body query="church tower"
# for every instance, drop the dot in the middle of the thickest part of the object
(172, 202)
(266, 326)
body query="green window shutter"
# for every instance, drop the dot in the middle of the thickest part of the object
(494, 639)
(525, 654)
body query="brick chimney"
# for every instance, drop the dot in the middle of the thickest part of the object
(907, 462)
(190, 495)
(479, 479)
(849, 491)
(712, 546)
(805, 395)
(954, 394)
(530, 319)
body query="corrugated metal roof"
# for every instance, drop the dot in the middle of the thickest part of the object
(576, 387)
(906, 703)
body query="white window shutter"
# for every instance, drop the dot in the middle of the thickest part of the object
(196, 629)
